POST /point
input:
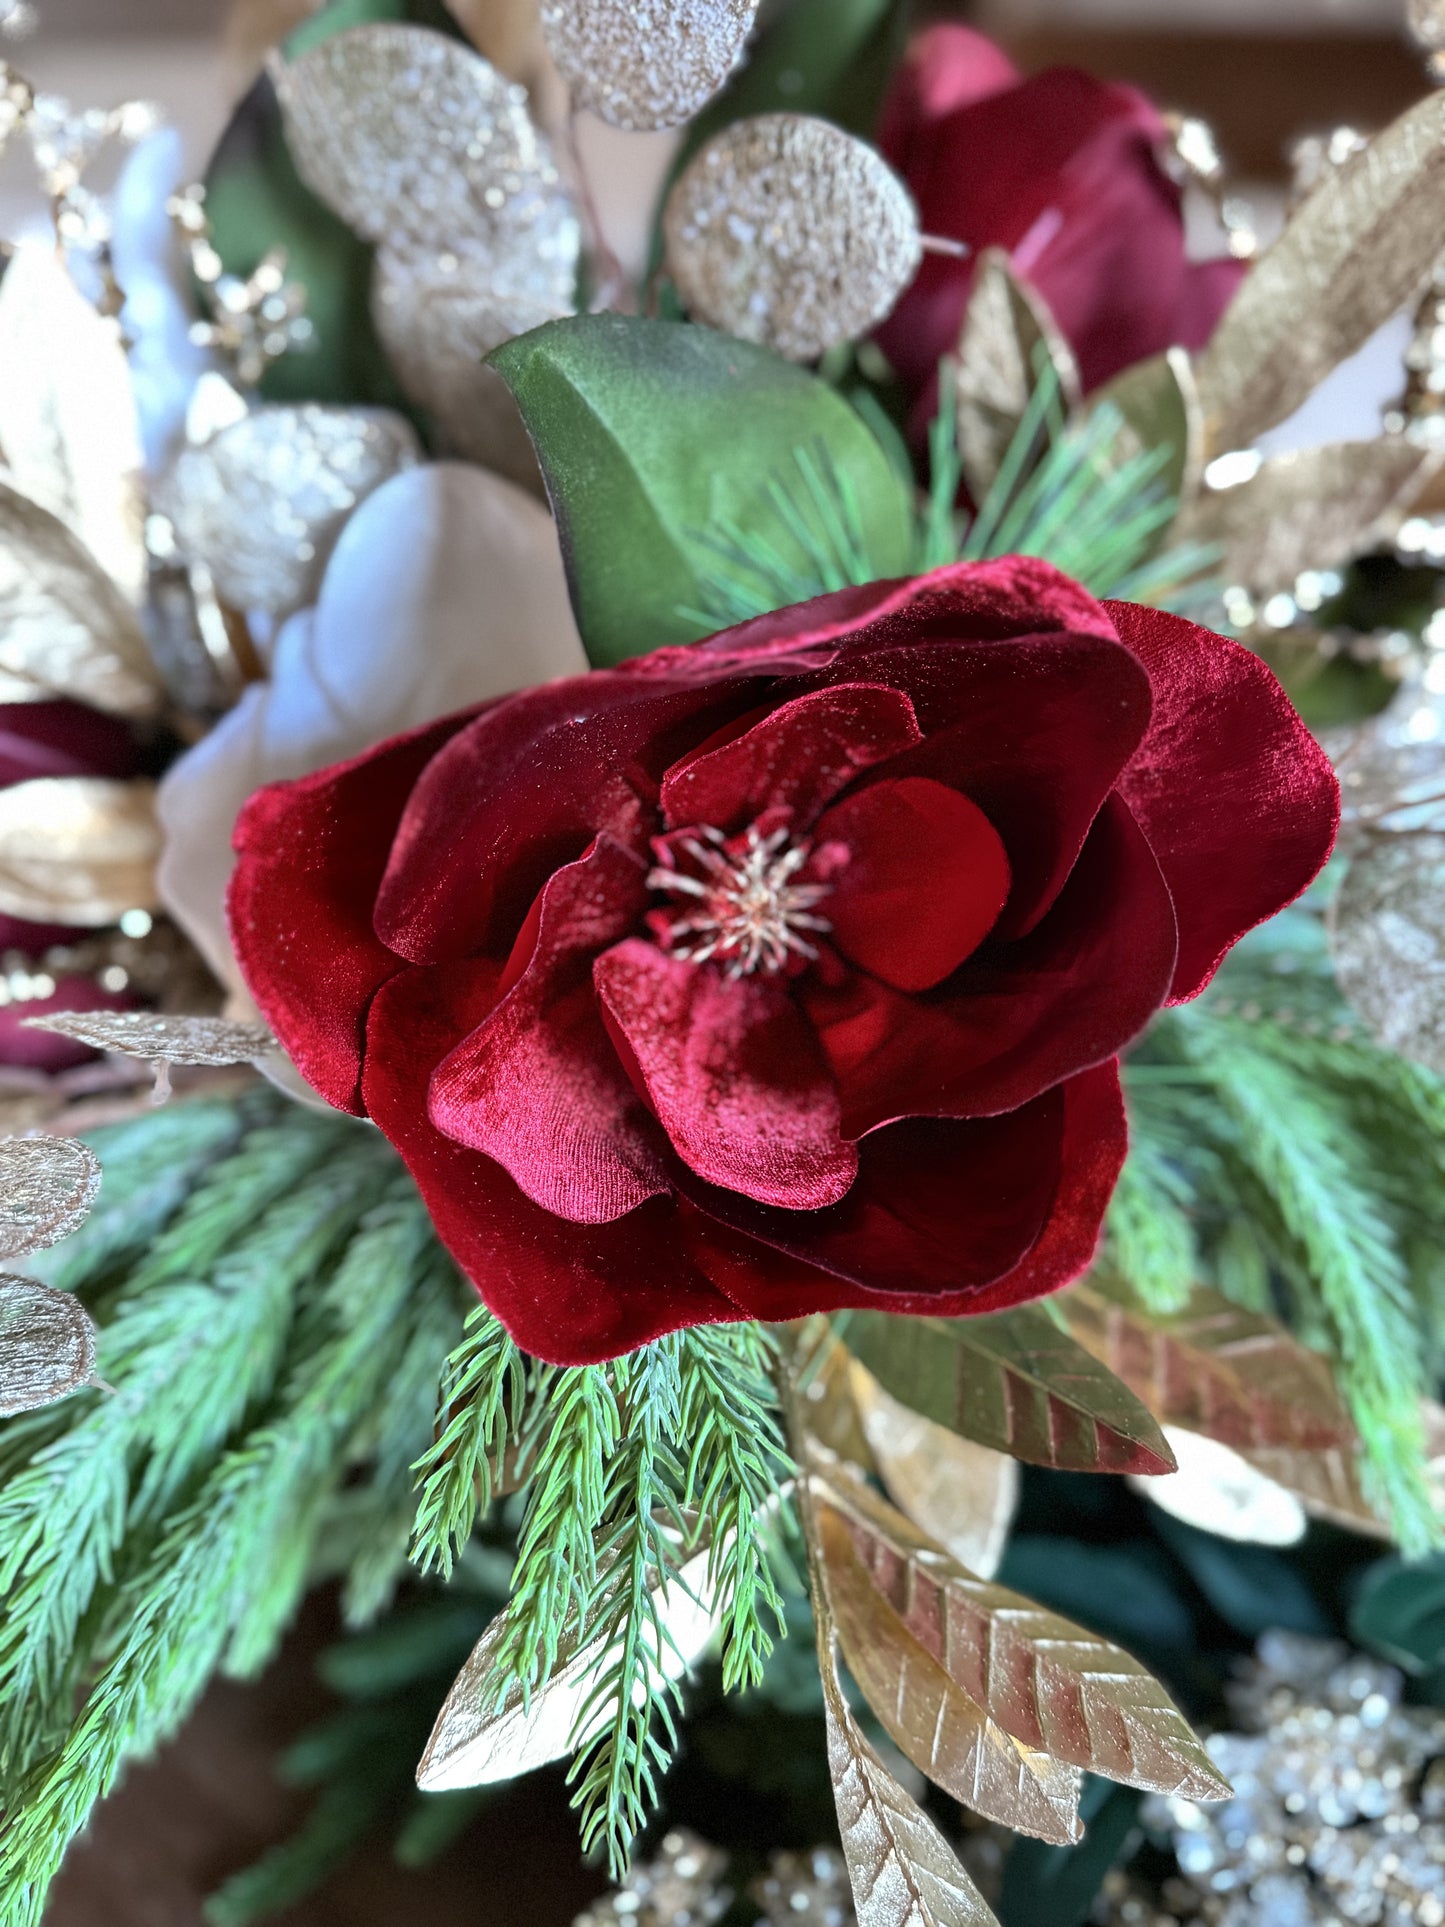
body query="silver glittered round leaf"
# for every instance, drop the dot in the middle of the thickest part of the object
(47, 1186)
(214, 1041)
(416, 141)
(786, 231)
(262, 503)
(644, 64)
(1388, 935)
(47, 1345)
(1392, 767)
(436, 325)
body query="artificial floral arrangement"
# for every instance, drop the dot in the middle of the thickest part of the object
(768, 923)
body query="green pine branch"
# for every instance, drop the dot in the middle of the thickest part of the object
(482, 1397)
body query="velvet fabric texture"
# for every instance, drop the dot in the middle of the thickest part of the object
(1066, 174)
(788, 970)
(51, 739)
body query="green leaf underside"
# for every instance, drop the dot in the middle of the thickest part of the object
(1016, 1382)
(658, 440)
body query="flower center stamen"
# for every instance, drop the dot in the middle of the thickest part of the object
(742, 906)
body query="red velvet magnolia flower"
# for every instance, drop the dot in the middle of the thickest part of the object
(786, 971)
(1065, 173)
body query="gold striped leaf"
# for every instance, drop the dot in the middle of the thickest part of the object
(1017, 1382)
(902, 1870)
(1212, 1368)
(961, 1494)
(1353, 254)
(1060, 1695)
(1326, 1482)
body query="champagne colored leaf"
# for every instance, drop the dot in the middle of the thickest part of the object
(1016, 1382)
(65, 628)
(961, 1494)
(1353, 254)
(477, 1743)
(909, 1682)
(162, 1040)
(69, 432)
(903, 1872)
(47, 1186)
(1211, 1368)
(1008, 337)
(618, 409)
(1313, 508)
(1220, 1491)
(1057, 1691)
(77, 849)
(1159, 402)
(47, 1345)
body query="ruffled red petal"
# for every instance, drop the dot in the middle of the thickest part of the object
(797, 758)
(1084, 1157)
(1036, 733)
(924, 880)
(1238, 801)
(569, 1294)
(537, 1085)
(732, 1071)
(939, 1205)
(1018, 1017)
(312, 854)
(525, 788)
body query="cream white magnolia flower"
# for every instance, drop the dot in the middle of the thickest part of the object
(446, 588)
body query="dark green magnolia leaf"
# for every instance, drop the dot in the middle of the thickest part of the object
(256, 201)
(1045, 1886)
(671, 452)
(1252, 1588)
(1014, 1381)
(1400, 1614)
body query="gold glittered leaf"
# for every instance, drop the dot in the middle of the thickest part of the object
(47, 1345)
(164, 1040)
(1057, 1692)
(436, 329)
(646, 64)
(263, 503)
(931, 1718)
(419, 143)
(47, 1186)
(902, 1870)
(69, 432)
(1353, 254)
(1014, 1381)
(786, 231)
(1008, 338)
(961, 1494)
(1313, 508)
(1212, 1368)
(475, 1742)
(65, 627)
(78, 849)
(1158, 401)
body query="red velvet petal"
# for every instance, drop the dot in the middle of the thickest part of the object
(1037, 735)
(312, 854)
(946, 67)
(524, 789)
(939, 1205)
(925, 880)
(63, 739)
(1018, 1017)
(537, 1085)
(1238, 801)
(569, 1294)
(1086, 1160)
(799, 757)
(733, 1072)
